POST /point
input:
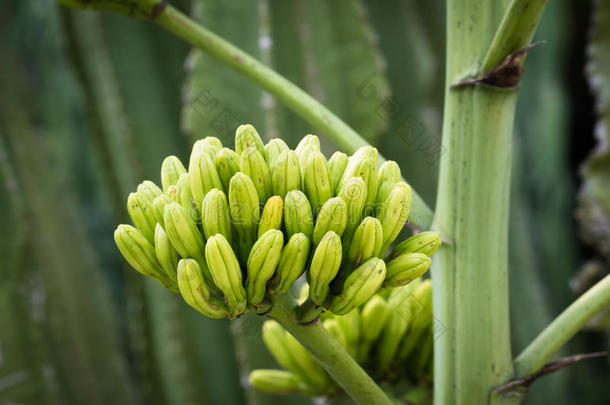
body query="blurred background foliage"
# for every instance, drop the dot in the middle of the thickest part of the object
(91, 103)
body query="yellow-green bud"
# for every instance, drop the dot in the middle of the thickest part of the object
(366, 242)
(203, 146)
(336, 165)
(159, 204)
(253, 164)
(374, 315)
(262, 262)
(226, 273)
(204, 176)
(195, 291)
(245, 137)
(324, 266)
(298, 217)
(171, 169)
(273, 149)
(149, 189)
(213, 142)
(308, 140)
(172, 192)
(277, 381)
(227, 164)
(185, 237)
(365, 168)
(388, 176)
(142, 214)
(350, 323)
(332, 217)
(167, 255)
(393, 212)
(184, 196)
(405, 268)
(139, 253)
(215, 215)
(423, 242)
(353, 192)
(245, 212)
(292, 263)
(359, 286)
(272, 216)
(316, 180)
(286, 174)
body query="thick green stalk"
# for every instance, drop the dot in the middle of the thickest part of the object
(570, 321)
(470, 273)
(330, 354)
(291, 95)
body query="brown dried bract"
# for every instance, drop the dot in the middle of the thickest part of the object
(506, 75)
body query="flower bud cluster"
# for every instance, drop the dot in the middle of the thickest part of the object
(240, 225)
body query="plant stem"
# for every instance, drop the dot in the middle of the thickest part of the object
(330, 354)
(470, 275)
(555, 335)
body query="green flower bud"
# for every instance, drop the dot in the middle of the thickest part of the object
(304, 157)
(324, 266)
(393, 212)
(334, 329)
(171, 169)
(273, 149)
(227, 164)
(369, 152)
(253, 164)
(245, 137)
(195, 291)
(332, 217)
(204, 176)
(423, 242)
(142, 214)
(298, 217)
(245, 212)
(167, 255)
(185, 237)
(286, 175)
(355, 161)
(139, 253)
(359, 286)
(184, 196)
(277, 381)
(388, 176)
(203, 146)
(149, 189)
(226, 273)
(316, 180)
(308, 140)
(272, 216)
(394, 329)
(292, 264)
(350, 324)
(172, 192)
(159, 204)
(215, 215)
(420, 313)
(366, 242)
(262, 262)
(292, 356)
(353, 192)
(336, 165)
(405, 268)
(365, 168)
(374, 315)
(213, 142)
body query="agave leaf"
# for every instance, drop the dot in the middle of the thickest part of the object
(330, 50)
(594, 198)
